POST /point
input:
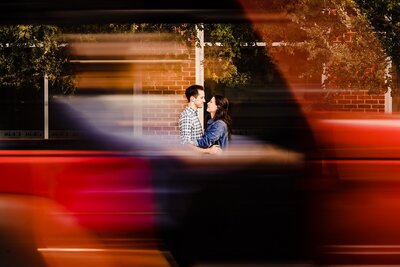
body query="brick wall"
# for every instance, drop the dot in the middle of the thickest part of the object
(168, 85)
(317, 99)
(309, 92)
(355, 100)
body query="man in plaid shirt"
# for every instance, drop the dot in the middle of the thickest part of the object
(190, 128)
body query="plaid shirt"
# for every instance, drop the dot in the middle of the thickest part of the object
(190, 127)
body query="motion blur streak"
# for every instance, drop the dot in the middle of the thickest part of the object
(46, 235)
(124, 45)
(56, 257)
(122, 61)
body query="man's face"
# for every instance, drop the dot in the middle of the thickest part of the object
(199, 100)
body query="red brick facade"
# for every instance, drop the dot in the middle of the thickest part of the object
(357, 100)
(161, 112)
(350, 100)
(314, 98)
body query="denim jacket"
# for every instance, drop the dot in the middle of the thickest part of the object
(216, 134)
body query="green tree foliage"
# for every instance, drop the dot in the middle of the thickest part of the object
(337, 38)
(224, 52)
(349, 41)
(28, 53)
(384, 16)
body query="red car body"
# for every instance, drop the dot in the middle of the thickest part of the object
(90, 185)
(356, 215)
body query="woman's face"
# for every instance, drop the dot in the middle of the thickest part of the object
(211, 106)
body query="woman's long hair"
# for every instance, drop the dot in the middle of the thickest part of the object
(222, 112)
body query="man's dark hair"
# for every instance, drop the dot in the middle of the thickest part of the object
(193, 91)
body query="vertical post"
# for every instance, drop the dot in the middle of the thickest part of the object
(388, 97)
(199, 58)
(137, 118)
(46, 107)
(324, 75)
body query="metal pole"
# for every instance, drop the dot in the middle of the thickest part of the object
(388, 97)
(200, 66)
(46, 107)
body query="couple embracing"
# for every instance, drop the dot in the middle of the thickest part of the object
(219, 129)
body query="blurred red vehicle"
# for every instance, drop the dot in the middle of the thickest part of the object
(355, 215)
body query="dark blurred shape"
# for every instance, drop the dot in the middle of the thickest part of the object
(21, 110)
(90, 11)
(38, 232)
(17, 234)
(244, 207)
(230, 218)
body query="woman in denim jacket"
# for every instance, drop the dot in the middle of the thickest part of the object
(219, 127)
